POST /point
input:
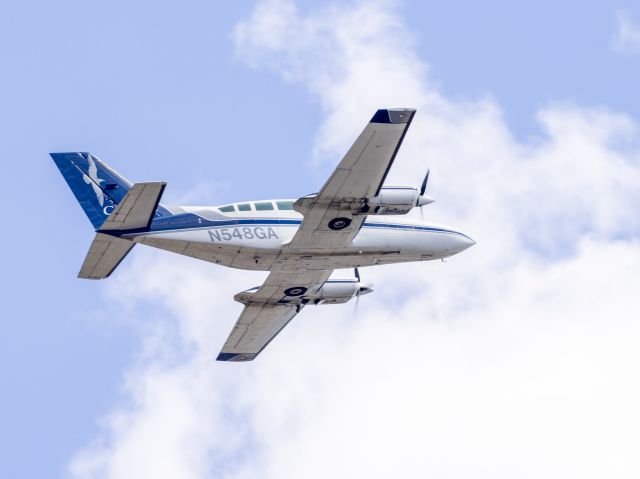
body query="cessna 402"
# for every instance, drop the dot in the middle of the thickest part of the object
(352, 221)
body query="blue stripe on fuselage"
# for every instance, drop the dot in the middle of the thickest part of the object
(191, 221)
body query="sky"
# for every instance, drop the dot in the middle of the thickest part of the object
(515, 358)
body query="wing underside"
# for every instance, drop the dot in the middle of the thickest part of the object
(364, 168)
(267, 310)
(257, 325)
(333, 217)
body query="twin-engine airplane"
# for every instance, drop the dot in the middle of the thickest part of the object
(353, 221)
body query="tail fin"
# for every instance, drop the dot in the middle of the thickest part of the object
(98, 188)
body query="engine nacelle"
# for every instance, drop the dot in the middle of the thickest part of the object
(331, 292)
(334, 292)
(397, 200)
(338, 291)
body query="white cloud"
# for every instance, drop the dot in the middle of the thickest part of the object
(627, 36)
(515, 359)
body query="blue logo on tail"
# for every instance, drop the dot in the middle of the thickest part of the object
(97, 187)
(93, 179)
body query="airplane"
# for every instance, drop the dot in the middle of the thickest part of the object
(353, 221)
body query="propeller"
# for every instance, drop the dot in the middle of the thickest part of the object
(423, 188)
(422, 198)
(362, 288)
(357, 273)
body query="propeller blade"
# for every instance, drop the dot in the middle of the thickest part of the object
(423, 188)
(357, 273)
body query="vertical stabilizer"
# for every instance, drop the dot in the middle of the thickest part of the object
(97, 187)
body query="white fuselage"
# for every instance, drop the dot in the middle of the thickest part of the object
(255, 240)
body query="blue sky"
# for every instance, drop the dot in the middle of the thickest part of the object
(158, 92)
(528, 55)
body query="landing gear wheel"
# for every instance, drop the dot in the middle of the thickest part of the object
(295, 291)
(339, 223)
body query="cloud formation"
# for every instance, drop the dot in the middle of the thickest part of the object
(515, 359)
(627, 36)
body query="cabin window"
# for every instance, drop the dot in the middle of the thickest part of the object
(244, 207)
(284, 205)
(227, 208)
(264, 206)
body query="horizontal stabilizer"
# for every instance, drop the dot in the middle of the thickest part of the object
(137, 208)
(105, 254)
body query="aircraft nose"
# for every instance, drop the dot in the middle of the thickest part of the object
(461, 242)
(468, 243)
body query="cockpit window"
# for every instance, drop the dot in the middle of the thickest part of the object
(244, 207)
(227, 208)
(264, 206)
(284, 205)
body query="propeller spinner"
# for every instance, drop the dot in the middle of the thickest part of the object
(362, 288)
(424, 199)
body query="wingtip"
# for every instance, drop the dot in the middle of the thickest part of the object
(393, 115)
(236, 357)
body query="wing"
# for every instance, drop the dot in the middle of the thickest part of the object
(333, 217)
(268, 310)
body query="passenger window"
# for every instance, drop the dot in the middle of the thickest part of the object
(284, 205)
(264, 206)
(244, 207)
(227, 209)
